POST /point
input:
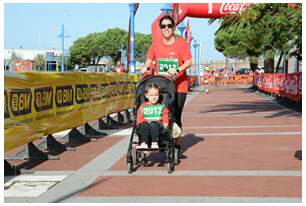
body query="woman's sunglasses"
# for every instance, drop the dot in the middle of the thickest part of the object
(169, 26)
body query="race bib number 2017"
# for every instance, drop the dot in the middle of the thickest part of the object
(152, 112)
(164, 64)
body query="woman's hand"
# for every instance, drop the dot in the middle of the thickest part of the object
(172, 71)
(144, 69)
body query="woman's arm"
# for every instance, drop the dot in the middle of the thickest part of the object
(146, 66)
(186, 65)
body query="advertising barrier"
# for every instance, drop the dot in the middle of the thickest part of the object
(285, 85)
(38, 104)
(233, 79)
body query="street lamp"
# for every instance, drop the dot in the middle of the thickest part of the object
(195, 45)
(132, 57)
(166, 9)
(199, 54)
(181, 27)
(191, 38)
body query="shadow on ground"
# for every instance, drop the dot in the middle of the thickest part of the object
(187, 142)
(271, 103)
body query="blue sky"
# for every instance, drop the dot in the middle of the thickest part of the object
(36, 26)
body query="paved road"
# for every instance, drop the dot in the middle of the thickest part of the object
(238, 147)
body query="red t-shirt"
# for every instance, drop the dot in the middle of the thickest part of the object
(141, 117)
(178, 50)
(119, 69)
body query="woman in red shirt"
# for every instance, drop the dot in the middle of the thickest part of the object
(172, 57)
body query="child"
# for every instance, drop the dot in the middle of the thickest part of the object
(152, 117)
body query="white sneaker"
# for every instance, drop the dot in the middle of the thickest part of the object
(143, 145)
(154, 145)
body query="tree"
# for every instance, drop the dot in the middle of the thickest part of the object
(236, 38)
(14, 57)
(90, 49)
(68, 63)
(262, 29)
(39, 62)
(142, 44)
(80, 51)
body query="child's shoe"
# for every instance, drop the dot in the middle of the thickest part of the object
(154, 145)
(143, 145)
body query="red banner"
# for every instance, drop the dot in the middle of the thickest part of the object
(286, 85)
(188, 33)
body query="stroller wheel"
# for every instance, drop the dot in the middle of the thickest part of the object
(130, 167)
(144, 159)
(176, 156)
(170, 167)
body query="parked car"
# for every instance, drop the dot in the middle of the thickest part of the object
(243, 71)
(83, 69)
(260, 69)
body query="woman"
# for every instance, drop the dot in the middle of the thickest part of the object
(172, 57)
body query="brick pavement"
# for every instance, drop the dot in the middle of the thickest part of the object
(238, 147)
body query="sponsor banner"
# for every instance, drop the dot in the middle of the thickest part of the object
(285, 85)
(232, 79)
(38, 104)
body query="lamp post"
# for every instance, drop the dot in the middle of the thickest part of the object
(189, 72)
(132, 57)
(62, 35)
(195, 45)
(166, 9)
(181, 27)
(199, 55)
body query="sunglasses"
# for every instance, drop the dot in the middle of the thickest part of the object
(169, 26)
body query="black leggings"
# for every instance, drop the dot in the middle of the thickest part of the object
(148, 130)
(179, 102)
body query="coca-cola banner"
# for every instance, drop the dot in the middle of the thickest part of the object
(286, 85)
(209, 10)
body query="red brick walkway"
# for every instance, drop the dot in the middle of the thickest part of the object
(229, 129)
(238, 147)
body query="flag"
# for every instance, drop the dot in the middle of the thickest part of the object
(188, 33)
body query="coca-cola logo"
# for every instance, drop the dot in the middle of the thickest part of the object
(233, 8)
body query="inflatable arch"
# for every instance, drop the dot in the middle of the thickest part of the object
(199, 10)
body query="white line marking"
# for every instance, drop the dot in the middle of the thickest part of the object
(185, 199)
(248, 134)
(125, 132)
(244, 126)
(233, 115)
(286, 173)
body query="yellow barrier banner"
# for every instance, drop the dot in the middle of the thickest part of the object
(38, 103)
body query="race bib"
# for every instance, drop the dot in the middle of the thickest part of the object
(152, 112)
(164, 64)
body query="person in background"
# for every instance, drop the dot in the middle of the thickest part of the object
(226, 75)
(118, 68)
(206, 78)
(217, 77)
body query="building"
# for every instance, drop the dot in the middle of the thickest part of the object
(51, 56)
(29, 53)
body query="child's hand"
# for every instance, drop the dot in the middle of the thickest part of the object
(165, 125)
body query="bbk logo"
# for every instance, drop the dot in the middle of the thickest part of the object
(232, 8)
